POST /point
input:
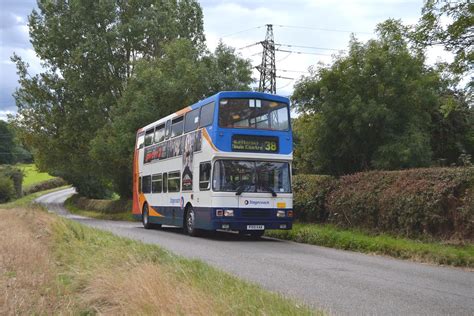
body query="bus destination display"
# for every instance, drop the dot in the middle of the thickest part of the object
(251, 143)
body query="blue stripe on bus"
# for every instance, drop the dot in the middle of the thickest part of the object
(206, 217)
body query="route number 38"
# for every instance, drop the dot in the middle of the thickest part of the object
(270, 146)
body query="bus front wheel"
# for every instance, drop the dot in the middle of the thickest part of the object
(190, 222)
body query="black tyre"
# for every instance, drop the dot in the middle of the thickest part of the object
(146, 219)
(190, 223)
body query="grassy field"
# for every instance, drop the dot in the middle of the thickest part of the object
(354, 240)
(51, 265)
(32, 175)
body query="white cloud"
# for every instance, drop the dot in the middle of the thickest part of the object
(4, 113)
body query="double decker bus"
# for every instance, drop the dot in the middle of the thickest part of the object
(223, 163)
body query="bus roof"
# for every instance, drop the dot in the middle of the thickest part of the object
(221, 94)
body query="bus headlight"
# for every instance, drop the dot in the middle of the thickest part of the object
(229, 213)
(289, 213)
(219, 213)
(281, 213)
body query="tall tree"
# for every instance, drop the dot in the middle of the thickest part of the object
(159, 87)
(451, 24)
(369, 109)
(89, 49)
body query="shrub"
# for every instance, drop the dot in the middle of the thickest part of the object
(309, 196)
(16, 175)
(103, 206)
(45, 185)
(7, 190)
(436, 202)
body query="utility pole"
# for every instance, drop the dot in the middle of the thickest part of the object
(267, 67)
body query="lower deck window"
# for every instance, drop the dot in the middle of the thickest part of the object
(146, 184)
(174, 181)
(156, 183)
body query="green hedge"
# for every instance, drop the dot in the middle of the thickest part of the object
(103, 206)
(435, 202)
(16, 176)
(310, 193)
(45, 185)
(7, 189)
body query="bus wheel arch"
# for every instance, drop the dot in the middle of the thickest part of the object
(146, 218)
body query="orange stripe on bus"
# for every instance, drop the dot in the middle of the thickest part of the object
(183, 111)
(153, 212)
(208, 139)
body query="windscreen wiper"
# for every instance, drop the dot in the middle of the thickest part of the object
(271, 190)
(240, 189)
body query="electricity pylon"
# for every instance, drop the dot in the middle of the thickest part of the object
(267, 67)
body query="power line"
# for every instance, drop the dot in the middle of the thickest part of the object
(284, 57)
(243, 31)
(321, 29)
(282, 87)
(250, 45)
(289, 78)
(310, 47)
(300, 52)
(297, 71)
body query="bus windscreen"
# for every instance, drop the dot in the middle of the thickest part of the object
(253, 114)
(251, 176)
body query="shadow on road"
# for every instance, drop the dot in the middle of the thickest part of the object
(217, 235)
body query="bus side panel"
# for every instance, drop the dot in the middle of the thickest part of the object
(135, 205)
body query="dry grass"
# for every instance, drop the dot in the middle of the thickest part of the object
(51, 266)
(27, 271)
(145, 289)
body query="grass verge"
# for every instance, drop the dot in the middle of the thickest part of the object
(105, 211)
(354, 240)
(81, 270)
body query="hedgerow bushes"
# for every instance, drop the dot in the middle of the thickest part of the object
(310, 193)
(10, 184)
(103, 206)
(45, 185)
(435, 202)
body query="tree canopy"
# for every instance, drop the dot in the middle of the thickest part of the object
(450, 24)
(95, 53)
(375, 108)
(158, 88)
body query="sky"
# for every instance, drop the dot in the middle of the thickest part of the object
(323, 24)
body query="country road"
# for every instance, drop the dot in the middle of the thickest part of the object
(340, 282)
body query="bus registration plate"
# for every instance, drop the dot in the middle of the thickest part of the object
(255, 227)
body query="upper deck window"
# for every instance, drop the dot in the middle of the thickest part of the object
(191, 121)
(253, 113)
(160, 133)
(149, 137)
(177, 126)
(207, 114)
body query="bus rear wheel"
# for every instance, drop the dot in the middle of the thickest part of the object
(190, 223)
(146, 218)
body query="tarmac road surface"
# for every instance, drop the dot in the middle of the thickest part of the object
(339, 282)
